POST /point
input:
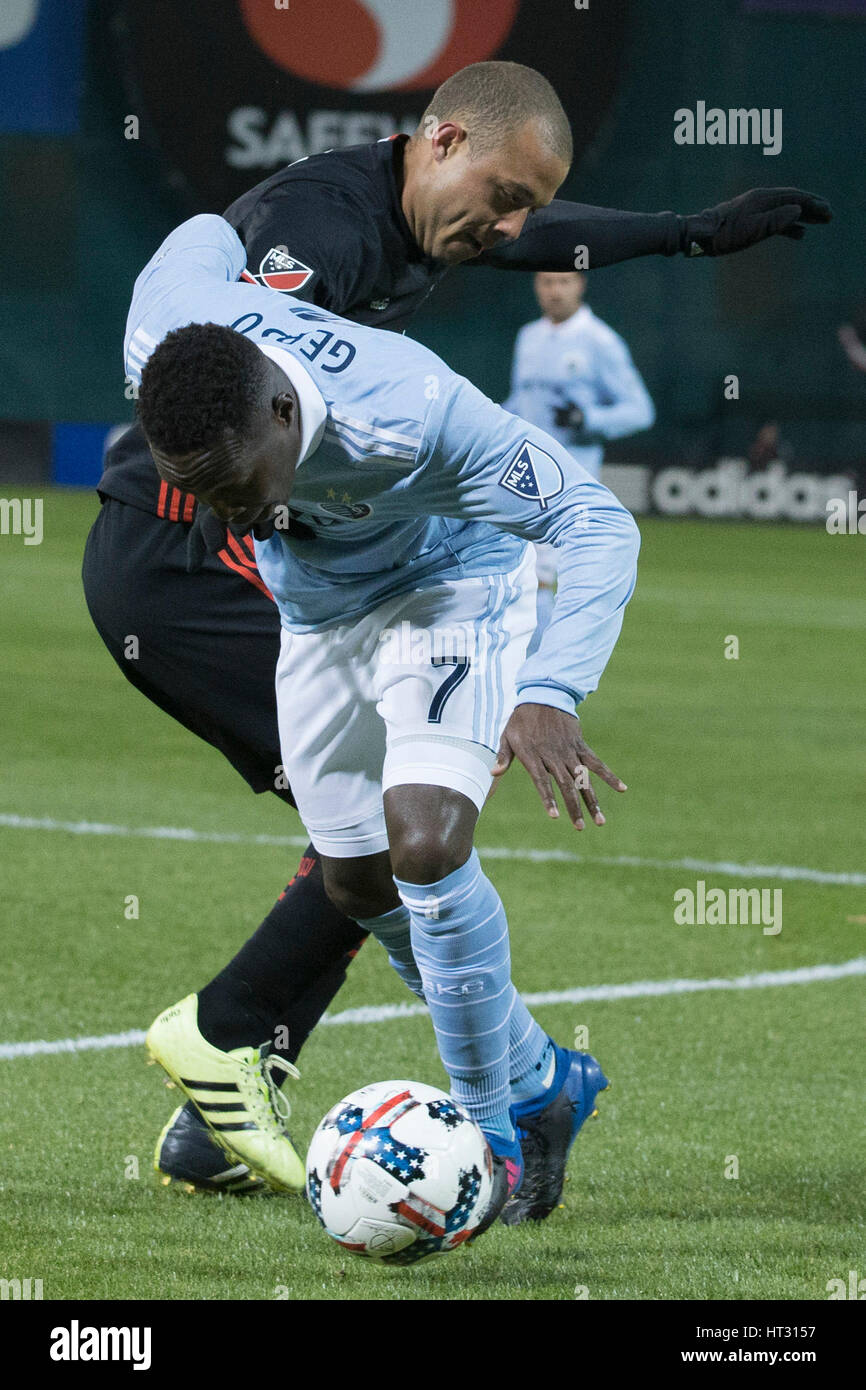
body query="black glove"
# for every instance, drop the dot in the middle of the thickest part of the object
(568, 417)
(750, 218)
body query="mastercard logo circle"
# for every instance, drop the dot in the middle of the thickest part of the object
(378, 45)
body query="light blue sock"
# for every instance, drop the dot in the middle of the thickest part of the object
(460, 943)
(393, 929)
(531, 1050)
(533, 1057)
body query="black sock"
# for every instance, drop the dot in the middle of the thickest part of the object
(283, 979)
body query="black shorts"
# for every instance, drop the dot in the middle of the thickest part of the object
(207, 642)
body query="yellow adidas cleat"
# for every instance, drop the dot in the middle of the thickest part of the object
(236, 1094)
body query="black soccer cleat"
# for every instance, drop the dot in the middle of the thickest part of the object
(547, 1136)
(186, 1153)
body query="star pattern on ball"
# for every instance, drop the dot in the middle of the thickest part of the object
(402, 1161)
(347, 1119)
(446, 1111)
(314, 1192)
(468, 1188)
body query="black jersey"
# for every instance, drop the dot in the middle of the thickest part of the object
(339, 216)
(330, 229)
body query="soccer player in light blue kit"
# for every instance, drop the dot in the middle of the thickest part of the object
(573, 376)
(391, 503)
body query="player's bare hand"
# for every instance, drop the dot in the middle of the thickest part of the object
(551, 746)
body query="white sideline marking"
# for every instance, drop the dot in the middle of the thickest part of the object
(132, 1038)
(380, 1013)
(532, 856)
(149, 832)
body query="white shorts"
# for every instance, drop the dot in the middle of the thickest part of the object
(545, 565)
(418, 691)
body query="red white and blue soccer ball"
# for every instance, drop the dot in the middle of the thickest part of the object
(397, 1172)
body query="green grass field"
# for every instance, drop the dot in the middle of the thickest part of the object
(754, 761)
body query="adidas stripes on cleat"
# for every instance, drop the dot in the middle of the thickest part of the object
(186, 1152)
(547, 1131)
(236, 1094)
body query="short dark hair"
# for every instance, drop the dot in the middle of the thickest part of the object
(201, 385)
(495, 99)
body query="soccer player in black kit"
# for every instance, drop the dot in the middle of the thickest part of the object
(367, 233)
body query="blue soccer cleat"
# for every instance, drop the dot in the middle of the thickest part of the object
(547, 1130)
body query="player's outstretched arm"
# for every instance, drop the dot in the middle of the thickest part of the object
(553, 237)
(489, 466)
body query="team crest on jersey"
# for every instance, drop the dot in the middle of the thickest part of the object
(533, 475)
(575, 363)
(346, 511)
(280, 271)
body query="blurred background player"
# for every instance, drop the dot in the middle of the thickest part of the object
(574, 377)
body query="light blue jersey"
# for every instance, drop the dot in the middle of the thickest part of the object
(418, 478)
(581, 362)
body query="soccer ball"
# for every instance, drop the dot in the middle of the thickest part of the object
(397, 1171)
